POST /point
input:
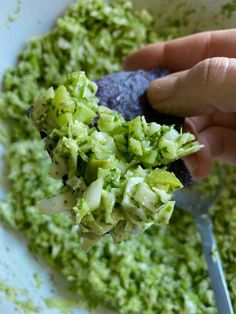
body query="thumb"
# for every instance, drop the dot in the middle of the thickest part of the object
(207, 87)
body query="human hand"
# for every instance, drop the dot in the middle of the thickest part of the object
(203, 88)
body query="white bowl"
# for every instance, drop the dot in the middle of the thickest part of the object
(17, 266)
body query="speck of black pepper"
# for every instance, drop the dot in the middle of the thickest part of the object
(43, 134)
(64, 179)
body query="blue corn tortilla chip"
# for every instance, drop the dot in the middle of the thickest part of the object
(125, 92)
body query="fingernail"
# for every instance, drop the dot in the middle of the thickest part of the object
(161, 89)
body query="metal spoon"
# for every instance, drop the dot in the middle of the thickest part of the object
(197, 203)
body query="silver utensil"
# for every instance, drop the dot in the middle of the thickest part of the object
(197, 203)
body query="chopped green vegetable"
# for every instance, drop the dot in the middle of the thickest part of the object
(19, 297)
(111, 187)
(159, 271)
(63, 306)
(38, 280)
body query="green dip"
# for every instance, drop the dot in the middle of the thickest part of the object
(159, 271)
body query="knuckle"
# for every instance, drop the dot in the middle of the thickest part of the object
(214, 70)
(214, 78)
(208, 38)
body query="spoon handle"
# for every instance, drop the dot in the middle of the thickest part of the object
(215, 270)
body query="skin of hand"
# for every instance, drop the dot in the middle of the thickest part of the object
(201, 88)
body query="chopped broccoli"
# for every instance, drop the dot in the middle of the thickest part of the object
(159, 271)
(108, 166)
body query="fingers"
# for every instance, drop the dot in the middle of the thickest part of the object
(206, 88)
(219, 144)
(183, 53)
(198, 124)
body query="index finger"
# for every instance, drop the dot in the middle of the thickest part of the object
(183, 53)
